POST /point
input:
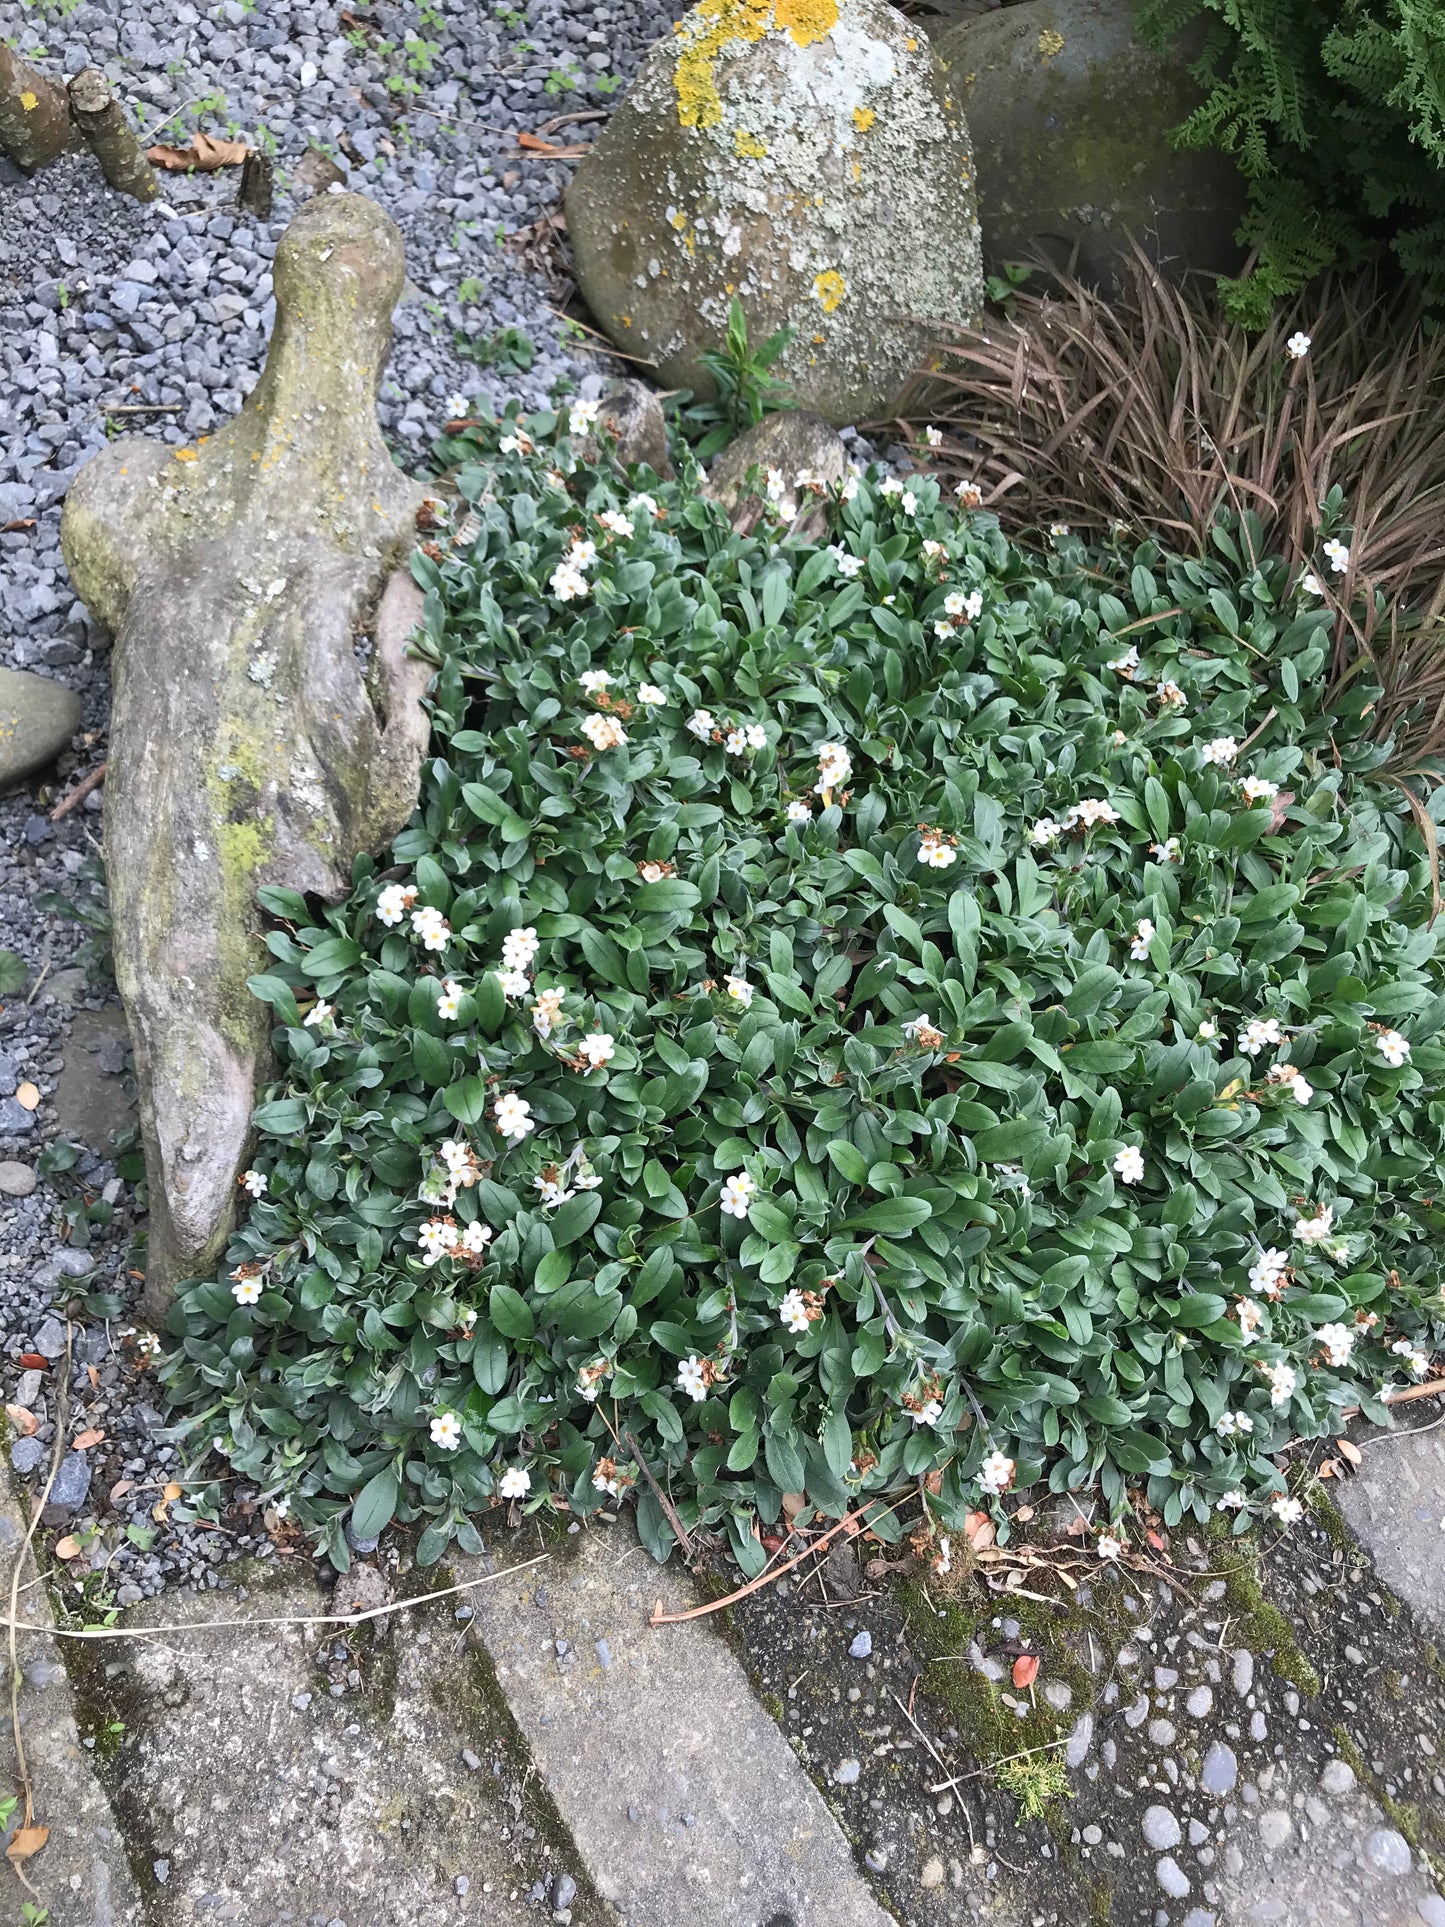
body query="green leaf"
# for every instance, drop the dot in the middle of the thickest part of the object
(848, 1161)
(511, 1313)
(375, 1506)
(332, 957)
(466, 1100)
(891, 1217)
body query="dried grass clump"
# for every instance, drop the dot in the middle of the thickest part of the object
(1153, 410)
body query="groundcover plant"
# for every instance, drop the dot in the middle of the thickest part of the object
(889, 1015)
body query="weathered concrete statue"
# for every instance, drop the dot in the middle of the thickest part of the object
(251, 741)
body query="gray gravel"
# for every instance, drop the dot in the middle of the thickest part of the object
(168, 308)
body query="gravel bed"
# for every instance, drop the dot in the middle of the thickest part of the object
(165, 311)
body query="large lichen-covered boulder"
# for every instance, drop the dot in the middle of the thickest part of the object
(1070, 115)
(255, 739)
(806, 156)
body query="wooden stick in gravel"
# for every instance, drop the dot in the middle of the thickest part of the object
(35, 125)
(258, 177)
(109, 135)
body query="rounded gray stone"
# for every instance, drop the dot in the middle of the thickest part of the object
(38, 717)
(846, 1772)
(1387, 1850)
(1199, 1702)
(862, 1645)
(28, 1454)
(1161, 1829)
(1161, 1732)
(16, 1180)
(1172, 1877)
(1338, 1777)
(1431, 1910)
(1220, 1769)
(1275, 1827)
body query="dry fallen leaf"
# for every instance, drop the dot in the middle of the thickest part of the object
(34, 1362)
(28, 1095)
(205, 154)
(1026, 1669)
(23, 1421)
(120, 1488)
(793, 1503)
(68, 1547)
(1349, 1450)
(87, 1439)
(27, 1841)
(1329, 1468)
(160, 1510)
(980, 1531)
(1024, 1514)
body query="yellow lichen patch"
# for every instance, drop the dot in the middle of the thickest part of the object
(716, 24)
(829, 287)
(857, 171)
(1051, 42)
(185, 454)
(748, 147)
(863, 118)
(29, 101)
(676, 218)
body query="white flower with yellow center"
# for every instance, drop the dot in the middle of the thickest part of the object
(737, 1194)
(446, 1431)
(431, 927)
(1288, 1510)
(450, 1000)
(650, 696)
(253, 1183)
(1259, 1032)
(552, 1191)
(1298, 345)
(1168, 851)
(740, 990)
(581, 416)
(598, 1048)
(691, 1378)
(1268, 1271)
(1110, 1546)
(568, 584)
(514, 983)
(800, 810)
(320, 1013)
(1338, 1341)
(520, 946)
(514, 1117)
(594, 679)
(1282, 1382)
(701, 723)
(436, 1238)
(616, 523)
(394, 902)
(793, 1312)
(936, 852)
(603, 732)
(475, 1238)
(1337, 554)
(1315, 1230)
(246, 1291)
(1126, 664)
(1258, 789)
(1393, 1048)
(516, 1483)
(996, 1474)
(1144, 934)
(1129, 1164)
(1221, 752)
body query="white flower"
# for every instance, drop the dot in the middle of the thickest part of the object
(1314, 1231)
(1338, 1341)
(598, 1048)
(431, 926)
(1126, 664)
(1251, 1316)
(446, 1431)
(690, 1378)
(1221, 751)
(996, 1473)
(701, 724)
(1339, 555)
(393, 903)
(456, 406)
(552, 1192)
(246, 1291)
(944, 631)
(1089, 810)
(1300, 1088)
(641, 502)
(793, 1312)
(1286, 1509)
(800, 810)
(1393, 1048)
(1231, 1502)
(740, 990)
(1058, 530)
(514, 982)
(1257, 789)
(757, 736)
(922, 1030)
(281, 1507)
(618, 524)
(1267, 1272)
(1016, 1178)
(652, 872)
(1259, 1032)
(929, 1413)
(254, 1182)
(1168, 851)
(1046, 830)
(436, 1238)
(1282, 1382)
(1144, 934)
(934, 551)
(970, 495)
(450, 1001)
(1171, 695)
(943, 1558)
(516, 1483)
(586, 1178)
(1310, 584)
(777, 484)
(581, 416)
(319, 1013)
(515, 445)
(890, 485)
(594, 679)
(1110, 1547)
(514, 1117)
(1298, 345)
(1129, 1164)
(811, 478)
(603, 732)
(737, 1194)
(1232, 1424)
(935, 852)
(1206, 1032)
(835, 766)
(520, 946)
(476, 1237)
(1406, 1348)
(933, 437)
(650, 695)
(568, 583)
(848, 566)
(735, 742)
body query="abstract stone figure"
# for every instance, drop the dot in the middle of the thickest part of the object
(252, 742)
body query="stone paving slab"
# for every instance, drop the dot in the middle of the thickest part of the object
(685, 1801)
(82, 1873)
(1395, 1505)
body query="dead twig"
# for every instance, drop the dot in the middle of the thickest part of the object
(669, 1509)
(79, 793)
(852, 1522)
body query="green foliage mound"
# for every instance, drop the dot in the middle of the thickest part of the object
(1336, 115)
(898, 1110)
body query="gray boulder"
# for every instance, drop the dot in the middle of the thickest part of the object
(818, 168)
(38, 717)
(791, 444)
(249, 743)
(1070, 115)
